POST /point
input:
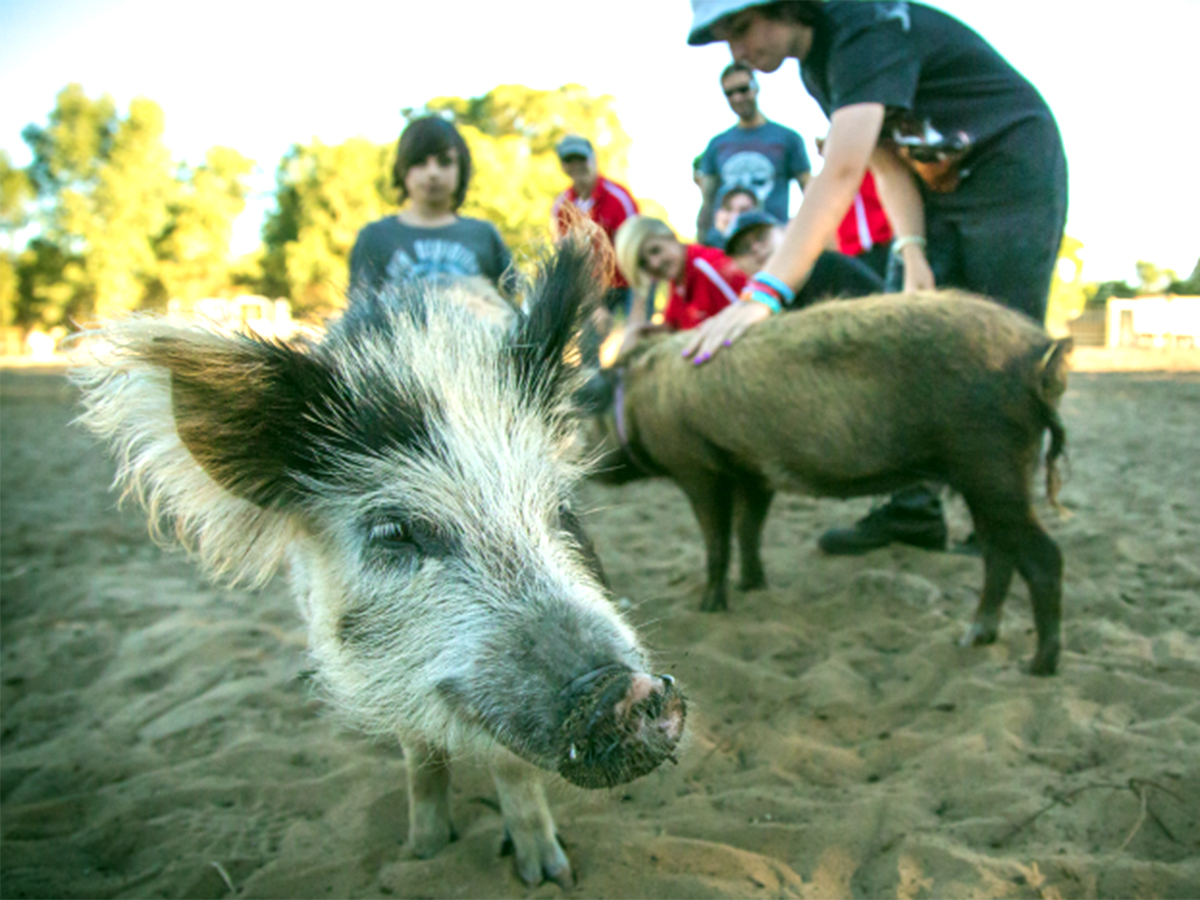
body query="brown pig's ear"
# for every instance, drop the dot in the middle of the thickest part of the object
(238, 406)
(216, 434)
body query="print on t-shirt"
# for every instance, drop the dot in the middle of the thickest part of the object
(437, 260)
(750, 169)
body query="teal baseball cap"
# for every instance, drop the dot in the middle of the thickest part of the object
(706, 14)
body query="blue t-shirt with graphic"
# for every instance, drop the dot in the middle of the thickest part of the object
(764, 159)
(391, 252)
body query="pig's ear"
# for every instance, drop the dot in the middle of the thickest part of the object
(210, 433)
(566, 289)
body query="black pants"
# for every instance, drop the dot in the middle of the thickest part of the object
(836, 275)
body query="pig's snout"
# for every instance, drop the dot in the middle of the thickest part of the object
(618, 725)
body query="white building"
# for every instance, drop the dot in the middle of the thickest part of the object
(1153, 322)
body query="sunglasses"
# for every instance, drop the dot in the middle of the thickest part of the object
(574, 158)
(744, 89)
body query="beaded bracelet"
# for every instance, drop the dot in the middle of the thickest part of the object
(766, 279)
(770, 301)
(901, 242)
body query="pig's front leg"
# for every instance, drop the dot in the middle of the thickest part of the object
(429, 828)
(711, 496)
(528, 822)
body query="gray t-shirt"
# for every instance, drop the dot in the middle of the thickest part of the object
(764, 159)
(390, 252)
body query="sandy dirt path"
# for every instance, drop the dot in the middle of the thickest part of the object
(159, 736)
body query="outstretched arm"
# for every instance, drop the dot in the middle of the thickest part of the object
(901, 199)
(853, 133)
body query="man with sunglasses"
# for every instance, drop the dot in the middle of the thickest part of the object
(755, 153)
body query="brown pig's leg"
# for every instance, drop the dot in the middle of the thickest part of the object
(1040, 564)
(711, 496)
(751, 500)
(998, 568)
(429, 828)
(1010, 536)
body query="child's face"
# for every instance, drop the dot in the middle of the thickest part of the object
(756, 248)
(434, 181)
(662, 257)
(735, 204)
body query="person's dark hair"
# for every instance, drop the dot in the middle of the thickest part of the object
(738, 67)
(734, 190)
(426, 137)
(805, 12)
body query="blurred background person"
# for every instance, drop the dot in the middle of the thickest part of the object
(732, 201)
(702, 280)
(427, 240)
(601, 199)
(756, 153)
(756, 235)
(865, 232)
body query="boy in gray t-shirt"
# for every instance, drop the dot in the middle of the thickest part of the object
(427, 240)
(391, 252)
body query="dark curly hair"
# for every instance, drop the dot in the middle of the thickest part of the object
(426, 137)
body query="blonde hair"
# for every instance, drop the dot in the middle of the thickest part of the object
(634, 232)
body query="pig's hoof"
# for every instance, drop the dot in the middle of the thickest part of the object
(714, 601)
(752, 582)
(1045, 662)
(428, 840)
(978, 634)
(539, 859)
(618, 726)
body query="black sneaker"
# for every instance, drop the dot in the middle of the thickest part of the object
(882, 526)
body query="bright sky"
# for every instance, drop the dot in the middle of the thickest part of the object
(259, 76)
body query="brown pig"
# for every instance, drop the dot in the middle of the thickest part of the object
(846, 399)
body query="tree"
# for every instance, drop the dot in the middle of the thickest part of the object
(121, 226)
(104, 186)
(512, 131)
(1189, 286)
(124, 218)
(1068, 295)
(16, 191)
(324, 195)
(193, 252)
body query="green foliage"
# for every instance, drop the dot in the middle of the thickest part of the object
(16, 192)
(1068, 294)
(121, 226)
(121, 221)
(52, 286)
(194, 250)
(512, 131)
(75, 143)
(1190, 286)
(324, 195)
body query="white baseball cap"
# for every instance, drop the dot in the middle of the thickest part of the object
(706, 14)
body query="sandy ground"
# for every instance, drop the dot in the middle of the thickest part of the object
(160, 738)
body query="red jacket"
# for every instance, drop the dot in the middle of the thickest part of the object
(608, 206)
(710, 283)
(866, 224)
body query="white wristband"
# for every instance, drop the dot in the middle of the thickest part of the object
(901, 242)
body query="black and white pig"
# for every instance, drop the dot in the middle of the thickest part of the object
(415, 467)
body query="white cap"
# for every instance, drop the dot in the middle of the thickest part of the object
(706, 14)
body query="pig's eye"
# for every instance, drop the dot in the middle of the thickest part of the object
(391, 534)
